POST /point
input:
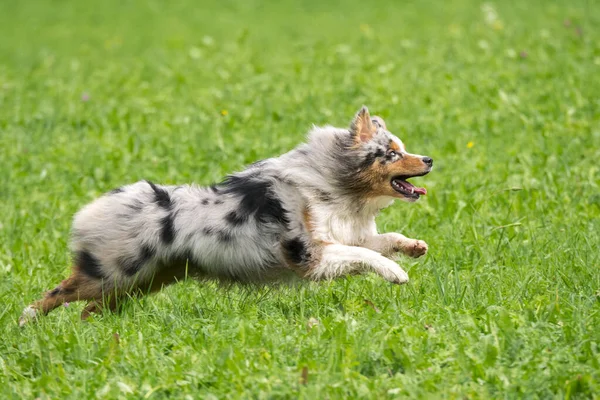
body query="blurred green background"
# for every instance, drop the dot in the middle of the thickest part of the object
(503, 95)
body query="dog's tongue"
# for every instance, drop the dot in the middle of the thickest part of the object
(421, 191)
(408, 186)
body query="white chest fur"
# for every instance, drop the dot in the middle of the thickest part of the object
(345, 224)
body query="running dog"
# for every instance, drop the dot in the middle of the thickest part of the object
(309, 213)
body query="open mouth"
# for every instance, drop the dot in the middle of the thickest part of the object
(407, 189)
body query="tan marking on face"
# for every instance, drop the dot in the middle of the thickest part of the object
(409, 164)
(397, 145)
(375, 180)
(394, 146)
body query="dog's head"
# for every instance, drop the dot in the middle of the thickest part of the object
(375, 163)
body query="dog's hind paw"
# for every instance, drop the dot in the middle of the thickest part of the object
(28, 315)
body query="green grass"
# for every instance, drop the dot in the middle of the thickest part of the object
(505, 98)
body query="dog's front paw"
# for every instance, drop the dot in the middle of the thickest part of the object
(391, 271)
(399, 277)
(396, 275)
(415, 248)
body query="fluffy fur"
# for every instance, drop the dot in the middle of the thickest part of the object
(309, 213)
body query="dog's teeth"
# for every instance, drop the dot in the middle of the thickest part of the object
(412, 190)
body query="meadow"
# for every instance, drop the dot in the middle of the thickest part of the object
(504, 96)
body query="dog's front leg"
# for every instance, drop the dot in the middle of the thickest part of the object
(337, 260)
(389, 244)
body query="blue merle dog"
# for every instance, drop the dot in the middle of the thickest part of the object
(309, 213)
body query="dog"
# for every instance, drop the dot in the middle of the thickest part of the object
(309, 213)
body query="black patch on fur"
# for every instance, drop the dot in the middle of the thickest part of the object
(222, 235)
(256, 197)
(218, 201)
(214, 188)
(117, 190)
(295, 251)
(167, 229)
(225, 236)
(236, 219)
(204, 202)
(132, 267)
(323, 196)
(370, 159)
(146, 253)
(89, 264)
(184, 259)
(161, 196)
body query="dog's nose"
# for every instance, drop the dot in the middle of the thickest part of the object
(428, 161)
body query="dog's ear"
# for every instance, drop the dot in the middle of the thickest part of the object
(362, 127)
(378, 122)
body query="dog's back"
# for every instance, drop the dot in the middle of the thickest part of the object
(231, 231)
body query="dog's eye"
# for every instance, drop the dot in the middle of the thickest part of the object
(392, 153)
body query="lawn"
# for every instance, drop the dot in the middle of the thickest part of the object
(504, 96)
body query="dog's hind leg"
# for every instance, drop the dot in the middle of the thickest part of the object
(78, 286)
(338, 260)
(108, 302)
(163, 277)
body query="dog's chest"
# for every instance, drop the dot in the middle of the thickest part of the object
(340, 226)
